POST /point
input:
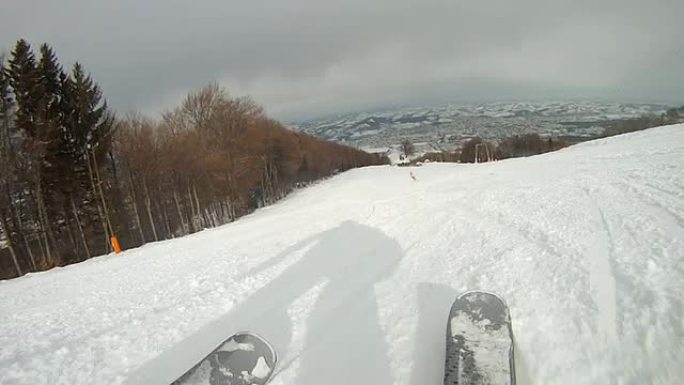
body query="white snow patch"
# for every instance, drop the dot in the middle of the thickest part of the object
(261, 369)
(233, 346)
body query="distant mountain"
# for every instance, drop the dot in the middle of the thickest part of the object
(454, 123)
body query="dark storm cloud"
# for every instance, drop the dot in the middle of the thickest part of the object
(305, 57)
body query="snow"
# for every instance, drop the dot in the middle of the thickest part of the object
(351, 280)
(261, 370)
(232, 346)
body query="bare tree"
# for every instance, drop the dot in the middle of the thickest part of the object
(407, 148)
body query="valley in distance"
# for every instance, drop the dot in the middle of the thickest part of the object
(446, 128)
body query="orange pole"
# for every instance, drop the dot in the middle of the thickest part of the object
(115, 245)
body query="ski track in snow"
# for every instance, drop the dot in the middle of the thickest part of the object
(352, 279)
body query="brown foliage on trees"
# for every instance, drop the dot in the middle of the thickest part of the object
(671, 116)
(515, 146)
(213, 159)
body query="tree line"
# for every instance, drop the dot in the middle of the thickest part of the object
(73, 175)
(533, 144)
(671, 116)
(478, 150)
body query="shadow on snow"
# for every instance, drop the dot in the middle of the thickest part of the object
(343, 338)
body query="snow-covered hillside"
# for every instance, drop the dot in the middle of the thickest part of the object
(352, 279)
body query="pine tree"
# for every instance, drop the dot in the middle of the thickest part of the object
(45, 160)
(49, 72)
(57, 167)
(92, 121)
(6, 107)
(89, 128)
(24, 80)
(7, 165)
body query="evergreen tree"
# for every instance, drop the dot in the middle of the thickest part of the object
(89, 122)
(34, 138)
(6, 107)
(57, 167)
(7, 166)
(25, 81)
(37, 93)
(89, 127)
(49, 75)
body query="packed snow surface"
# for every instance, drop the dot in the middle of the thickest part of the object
(352, 280)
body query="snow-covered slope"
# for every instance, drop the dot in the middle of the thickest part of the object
(352, 279)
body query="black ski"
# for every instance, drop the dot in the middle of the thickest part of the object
(479, 347)
(243, 359)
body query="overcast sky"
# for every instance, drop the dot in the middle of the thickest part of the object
(303, 58)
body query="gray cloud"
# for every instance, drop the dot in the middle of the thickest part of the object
(302, 58)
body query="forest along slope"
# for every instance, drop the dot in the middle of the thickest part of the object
(352, 279)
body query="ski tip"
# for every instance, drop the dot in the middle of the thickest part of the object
(480, 305)
(481, 295)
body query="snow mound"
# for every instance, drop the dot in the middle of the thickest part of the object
(352, 279)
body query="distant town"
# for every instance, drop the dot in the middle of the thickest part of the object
(444, 128)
